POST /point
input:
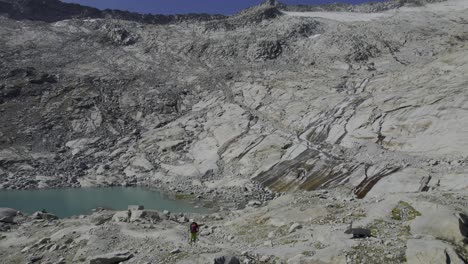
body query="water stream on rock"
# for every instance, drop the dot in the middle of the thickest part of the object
(69, 202)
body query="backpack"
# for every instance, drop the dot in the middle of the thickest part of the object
(193, 227)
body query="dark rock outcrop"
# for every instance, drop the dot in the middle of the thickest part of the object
(55, 10)
(226, 260)
(44, 216)
(111, 258)
(47, 11)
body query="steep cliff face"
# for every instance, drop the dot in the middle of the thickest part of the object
(290, 100)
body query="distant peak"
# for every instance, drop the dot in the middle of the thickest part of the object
(270, 2)
(273, 3)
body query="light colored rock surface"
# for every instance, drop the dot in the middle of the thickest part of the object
(9, 155)
(421, 251)
(121, 216)
(437, 221)
(407, 180)
(341, 16)
(79, 145)
(7, 215)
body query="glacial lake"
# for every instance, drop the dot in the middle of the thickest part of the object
(76, 201)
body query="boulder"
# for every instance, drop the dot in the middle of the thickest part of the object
(25, 249)
(294, 227)
(44, 216)
(206, 232)
(141, 164)
(421, 251)
(121, 216)
(41, 243)
(437, 221)
(182, 219)
(175, 251)
(268, 243)
(9, 156)
(80, 145)
(152, 215)
(4, 227)
(34, 259)
(254, 203)
(111, 258)
(101, 217)
(120, 36)
(226, 260)
(7, 215)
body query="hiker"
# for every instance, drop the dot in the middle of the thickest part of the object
(129, 215)
(193, 232)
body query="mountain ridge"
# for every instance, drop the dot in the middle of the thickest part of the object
(56, 10)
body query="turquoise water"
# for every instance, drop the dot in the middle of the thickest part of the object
(69, 202)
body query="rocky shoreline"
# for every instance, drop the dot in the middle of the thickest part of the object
(294, 228)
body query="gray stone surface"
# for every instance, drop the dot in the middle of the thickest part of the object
(421, 251)
(438, 221)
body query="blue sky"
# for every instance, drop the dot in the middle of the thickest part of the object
(191, 6)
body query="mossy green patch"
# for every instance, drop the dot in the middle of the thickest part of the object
(404, 211)
(383, 229)
(396, 214)
(358, 215)
(404, 231)
(320, 245)
(288, 241)
(363, 253)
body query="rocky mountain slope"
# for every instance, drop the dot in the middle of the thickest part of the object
(248, 107)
